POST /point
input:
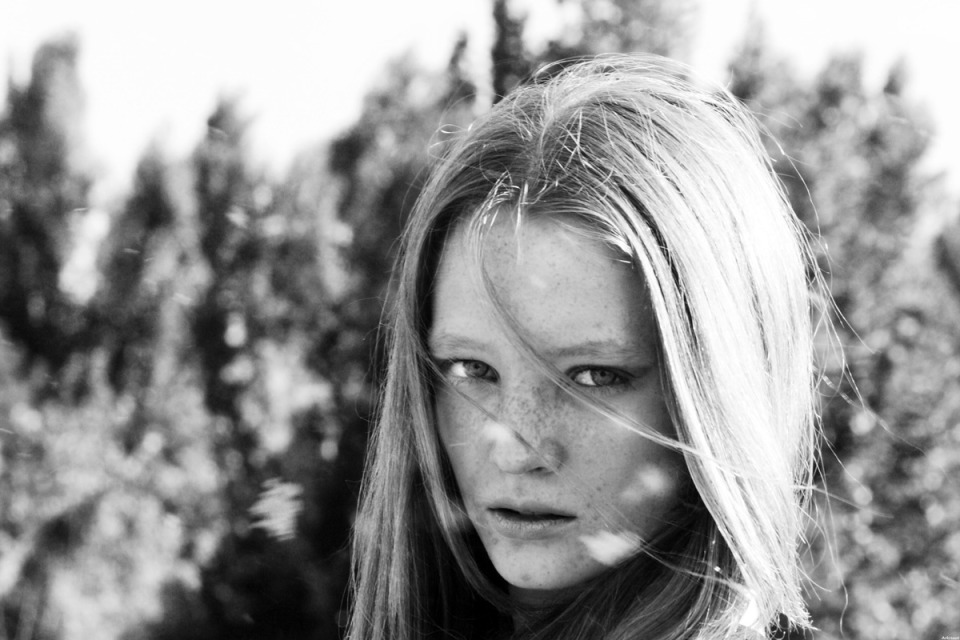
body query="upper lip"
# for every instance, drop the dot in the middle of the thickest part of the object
(531, 508)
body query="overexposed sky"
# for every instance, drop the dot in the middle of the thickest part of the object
(153, 70)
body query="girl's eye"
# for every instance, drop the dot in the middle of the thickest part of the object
(597, 378)
(470, 369)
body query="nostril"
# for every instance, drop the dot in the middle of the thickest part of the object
(551, 453)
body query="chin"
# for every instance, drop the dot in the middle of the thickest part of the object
(544, 574)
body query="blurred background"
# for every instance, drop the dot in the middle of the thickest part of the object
(199, 202)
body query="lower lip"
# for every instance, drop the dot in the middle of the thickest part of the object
(512, 524)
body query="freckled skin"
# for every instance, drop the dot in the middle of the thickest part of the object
(513, 435)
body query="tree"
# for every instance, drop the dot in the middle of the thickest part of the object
(608, 26)
(602, 26)
(511, 63)
(43, 190)
(137, 287)
(290, 438)
(222, 326)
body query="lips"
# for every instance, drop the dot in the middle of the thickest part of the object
(528, 515)
(529, 522)
(528, 507)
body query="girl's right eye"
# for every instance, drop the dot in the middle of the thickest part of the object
(469, 370)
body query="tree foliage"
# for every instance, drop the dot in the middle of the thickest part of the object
(180, 453)
(43, 190)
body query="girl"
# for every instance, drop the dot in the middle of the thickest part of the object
(597, 419)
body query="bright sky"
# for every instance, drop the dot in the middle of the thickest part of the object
(153, 70)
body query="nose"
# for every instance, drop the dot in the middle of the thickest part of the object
(525, 437)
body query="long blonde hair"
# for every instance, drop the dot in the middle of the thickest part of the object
(676, 178)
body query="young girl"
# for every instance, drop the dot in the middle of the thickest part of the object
(597, 419)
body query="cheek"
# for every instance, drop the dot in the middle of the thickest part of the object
(636, 482)
(454, 419)
(653, 478)
(458, 422)
(652, 473)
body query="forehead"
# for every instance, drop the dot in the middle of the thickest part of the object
(559, 285)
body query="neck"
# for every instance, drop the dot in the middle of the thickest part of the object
(530, 604)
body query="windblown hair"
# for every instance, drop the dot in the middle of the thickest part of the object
(674, 178)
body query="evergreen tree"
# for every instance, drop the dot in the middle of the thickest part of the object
(610, 26)
(603, 26)
(511, 64)
(136, 288)
(222, 326)
(43, 190)
(267, 337)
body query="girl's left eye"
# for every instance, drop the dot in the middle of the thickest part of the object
(593, 377)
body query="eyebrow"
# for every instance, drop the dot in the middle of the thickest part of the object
(451, 342)
(603, 348)
(444, 342)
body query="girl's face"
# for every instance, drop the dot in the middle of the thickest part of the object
(556, 491)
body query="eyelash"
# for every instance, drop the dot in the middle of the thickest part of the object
(448, 365)
(489, 374)
(620, 379)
